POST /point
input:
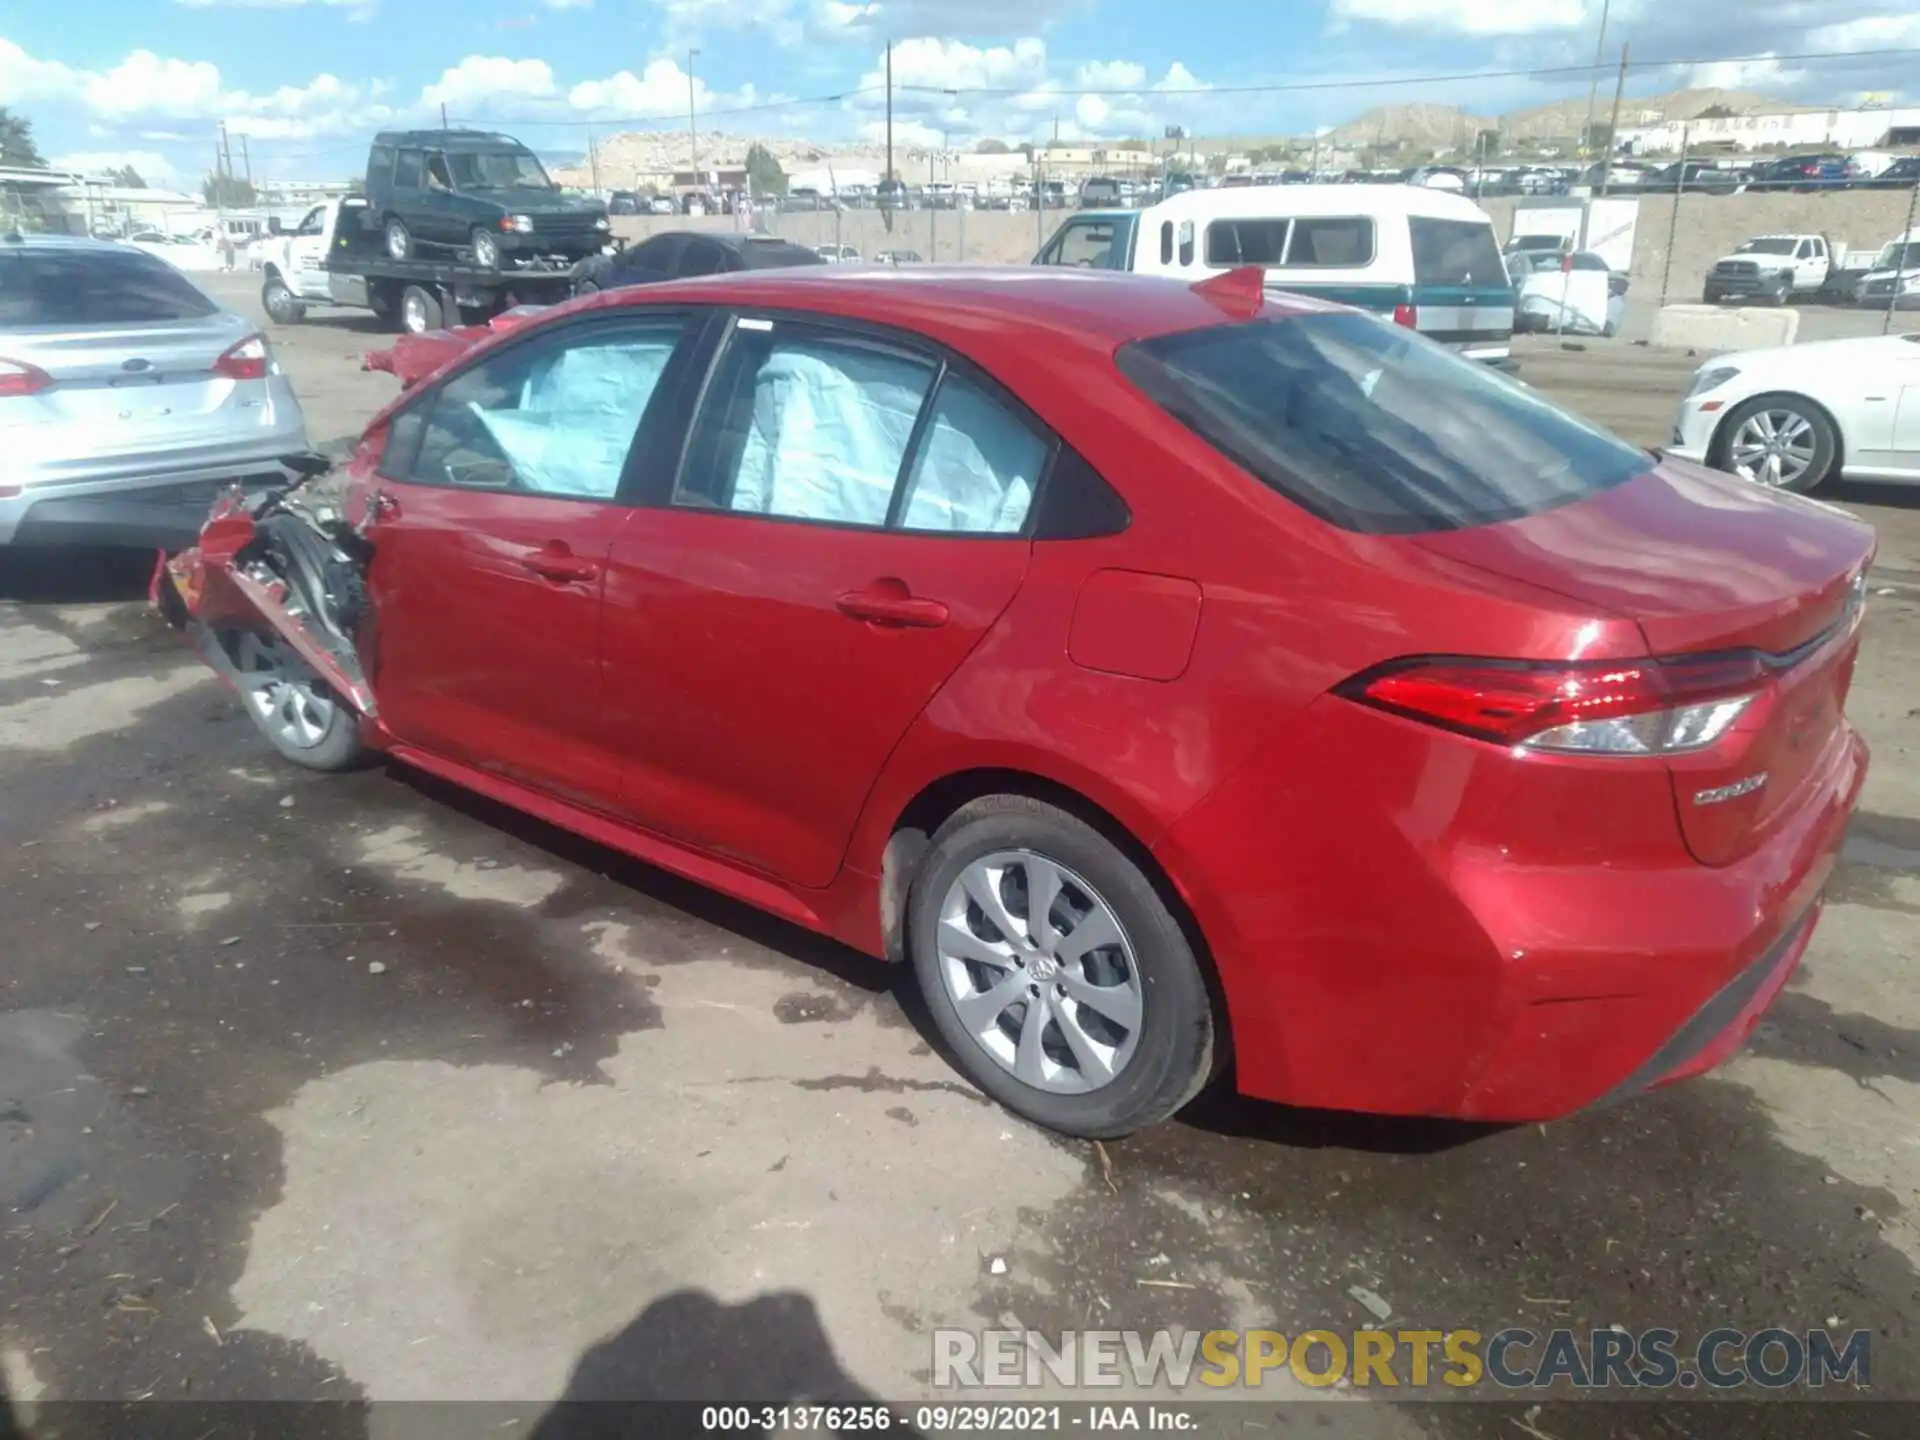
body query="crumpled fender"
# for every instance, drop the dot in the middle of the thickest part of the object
(204, 588)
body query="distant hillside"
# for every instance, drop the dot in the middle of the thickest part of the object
(1430, 127)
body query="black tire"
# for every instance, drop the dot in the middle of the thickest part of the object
(1711, 297)
(1782, 295)
(1826, 440)
(338, 745)
(420, 310)
(1173, 1053)
(283, 307)
(486, 248)
(399, 239)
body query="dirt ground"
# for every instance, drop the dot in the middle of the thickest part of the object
(361, 1089)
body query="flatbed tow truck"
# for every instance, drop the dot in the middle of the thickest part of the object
(333, 258)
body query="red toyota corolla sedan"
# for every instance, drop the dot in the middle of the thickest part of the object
(1180, 679)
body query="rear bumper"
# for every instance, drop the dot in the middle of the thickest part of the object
(163, 510)
(1437, 940)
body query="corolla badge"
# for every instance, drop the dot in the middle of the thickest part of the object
(1722, 793)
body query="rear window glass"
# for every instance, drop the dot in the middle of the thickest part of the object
(1336, 240)
(94, 287)
(1454, 252)
(1373, 428)
(1247, 242)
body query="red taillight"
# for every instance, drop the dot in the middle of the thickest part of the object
(18, 378)
(245, 361)
(1405, 315)
(1637, 707)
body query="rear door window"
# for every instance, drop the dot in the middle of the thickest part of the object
(94, 287)
(1373, 428)
(805, 423)
(407, 168)
(1454, 252)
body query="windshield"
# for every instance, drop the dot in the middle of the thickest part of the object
(1373, 428)
(498, 170)
(1898, 257)
(1767, 246)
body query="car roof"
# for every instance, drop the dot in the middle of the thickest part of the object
(958, 305)
(449, 139)
(1255, 202)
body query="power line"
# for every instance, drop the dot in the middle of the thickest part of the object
(1458, 77)
(596, 118)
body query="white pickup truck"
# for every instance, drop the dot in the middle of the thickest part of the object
(1774, 268)
(333, 258)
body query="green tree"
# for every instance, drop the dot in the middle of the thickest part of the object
(17, 147)
(1487, 143)
(993, 147)
(763, 171)
(127, 178)
(228, 192)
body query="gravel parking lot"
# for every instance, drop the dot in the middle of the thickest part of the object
(338, 1088)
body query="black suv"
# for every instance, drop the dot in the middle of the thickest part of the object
(469, 189)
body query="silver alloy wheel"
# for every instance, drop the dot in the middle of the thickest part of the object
(1040, 971)
(283, 692)
(413, 312)
(486, 250)
(399, 242)
(1773, 447)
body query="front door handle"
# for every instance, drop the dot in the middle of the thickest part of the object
(889, 602)
(557, 563)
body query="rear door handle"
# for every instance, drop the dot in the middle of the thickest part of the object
(892, 607)
(557, 563)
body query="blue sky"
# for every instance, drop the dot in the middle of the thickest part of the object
(306, 81)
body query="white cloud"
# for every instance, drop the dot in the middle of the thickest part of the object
(1470, 17)
(940, 64)
(24, 78)
(356, 9)
(568, 4)
(144, 83)
(1111, 75)
(153, 167)
(659, 89)
(1869, 32)
(479, 79)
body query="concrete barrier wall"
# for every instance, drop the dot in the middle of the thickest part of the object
(1719, 328)
(1709, 226)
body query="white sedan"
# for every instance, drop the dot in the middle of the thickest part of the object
(1797, 415)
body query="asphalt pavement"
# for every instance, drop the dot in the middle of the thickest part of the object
(358, 1088)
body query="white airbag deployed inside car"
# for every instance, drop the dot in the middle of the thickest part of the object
(577, 416)
(829, 431)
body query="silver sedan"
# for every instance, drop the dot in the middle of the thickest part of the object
(128, 398)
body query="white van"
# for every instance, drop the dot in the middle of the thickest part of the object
(1425, 257)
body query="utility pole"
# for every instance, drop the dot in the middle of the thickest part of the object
(1593, 88)
(1613, 124)
(593, 159)
(1900, 260)
(443, 116)
(693, 130)
(889, 175)
(247, 161)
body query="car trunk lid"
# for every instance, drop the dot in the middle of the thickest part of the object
(126, 387)
(1706, 565)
